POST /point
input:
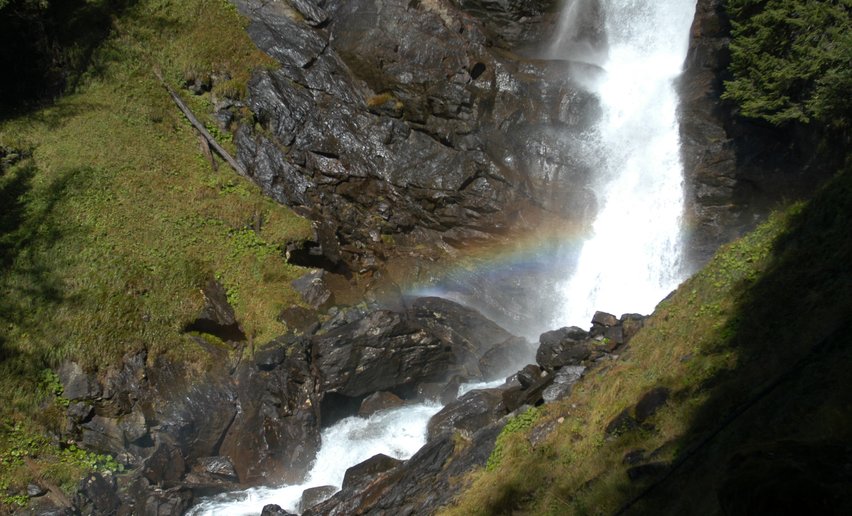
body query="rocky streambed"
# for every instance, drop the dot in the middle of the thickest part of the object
(254, 416)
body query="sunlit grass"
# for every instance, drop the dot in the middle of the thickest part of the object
(115, 219)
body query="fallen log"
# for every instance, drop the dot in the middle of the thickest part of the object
(201, 129)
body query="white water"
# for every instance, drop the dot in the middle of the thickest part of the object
(397, 432)
(631, 261)
(633, 257)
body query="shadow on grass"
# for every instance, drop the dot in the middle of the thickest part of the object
(45, 51)
(28, 229)
(775, 436)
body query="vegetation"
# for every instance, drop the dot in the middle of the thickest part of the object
(754, 349)
(791, 60)
(112, 218)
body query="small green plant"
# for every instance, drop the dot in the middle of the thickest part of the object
(518, 423)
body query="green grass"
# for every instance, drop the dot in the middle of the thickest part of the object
(740, 344)
(113, 219)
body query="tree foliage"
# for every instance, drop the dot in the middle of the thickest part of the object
(791, 60)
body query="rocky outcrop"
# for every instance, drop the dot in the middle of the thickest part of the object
(432, 341)
(397, 118)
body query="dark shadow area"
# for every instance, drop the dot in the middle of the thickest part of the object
(45, 49)
(775, 436)
(27, 231)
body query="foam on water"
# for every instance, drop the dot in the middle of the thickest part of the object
(397, 432)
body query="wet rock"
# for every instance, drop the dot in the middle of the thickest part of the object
(166, 464)
(385, 350)
(221, 467)
(217, 317)
(650, 402)
(275, 435)
(529, 375)
(365, 471)
(475, 410)
(168, 502)
(378, 401)
(563, 380)
(430, 479)
(397, 117)
(313, 289)
(313, 14)
(604, 319)
(314, 496)
(517, 396)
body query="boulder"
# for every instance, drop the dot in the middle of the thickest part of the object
(364, 472)
(166, 464)
(315, 495)
(385, 350)
(476, 409)
(378, 401)
(563, 380)
(562, 347)
(274, 510)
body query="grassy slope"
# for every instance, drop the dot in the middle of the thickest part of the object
(111, 226)
(756, 349)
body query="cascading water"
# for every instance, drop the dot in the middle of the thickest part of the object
(633, 256)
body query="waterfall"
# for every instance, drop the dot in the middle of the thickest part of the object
(632, 257)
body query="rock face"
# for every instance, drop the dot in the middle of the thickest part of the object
(397, 118)
(735, 169)
(384, 350)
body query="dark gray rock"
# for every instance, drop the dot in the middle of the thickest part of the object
(274, 510)
(314, 496)
(398, 117)
(433, 340)
(76, 383)
(473, 411)
(313, 289)
(562, 347)
(604, 319)
(97, 495)
(166, 464)
(299, 319)
(366, 471)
